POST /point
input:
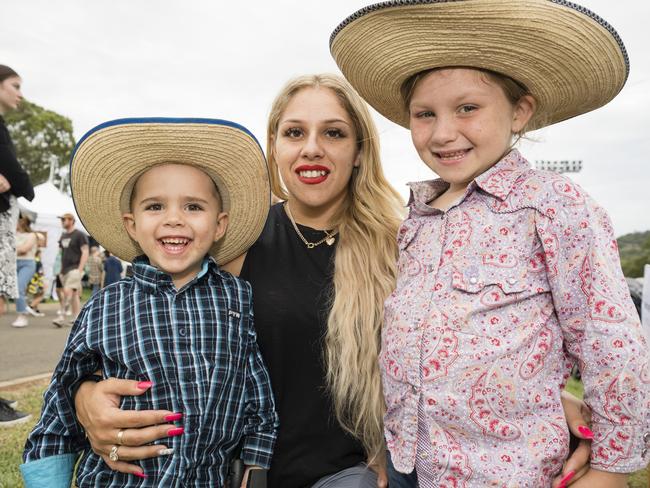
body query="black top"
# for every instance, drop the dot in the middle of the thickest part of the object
(71, 244)
(10, 168)
(291, 287)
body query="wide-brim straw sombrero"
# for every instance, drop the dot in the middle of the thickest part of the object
(569, 58)
(109, 158)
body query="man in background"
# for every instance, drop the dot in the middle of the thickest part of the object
(74, 249)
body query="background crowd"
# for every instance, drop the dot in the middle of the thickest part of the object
(22, 274)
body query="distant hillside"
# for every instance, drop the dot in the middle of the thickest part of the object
(635, 253)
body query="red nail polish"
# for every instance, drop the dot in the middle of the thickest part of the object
(564, 481)
(173, 417)
(176, 431)
(140, 475)
(145, 385)
(586, 432)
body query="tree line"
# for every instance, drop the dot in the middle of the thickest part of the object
(44, 142)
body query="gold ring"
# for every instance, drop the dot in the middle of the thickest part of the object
(113, 454)
(120, 437)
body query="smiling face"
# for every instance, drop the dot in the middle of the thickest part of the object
(10, 94)
(316, 151)
(175, 218)
(462, 123)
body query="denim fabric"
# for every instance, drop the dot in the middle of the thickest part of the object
(25, 269)
(400, 480)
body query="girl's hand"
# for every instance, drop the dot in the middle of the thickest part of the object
(98, 411)
(578, 418)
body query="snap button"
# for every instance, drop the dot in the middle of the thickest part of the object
(181, 332)
(473, 280)
(643, 453)
(646, 438)
(414, 389)
(512, 281)
(423, 455)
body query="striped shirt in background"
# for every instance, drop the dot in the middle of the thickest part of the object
(198, 347)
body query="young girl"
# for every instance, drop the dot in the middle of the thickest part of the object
(507, 275)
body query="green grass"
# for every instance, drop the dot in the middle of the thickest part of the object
(574, 387)
(30, 399)
(12, 439)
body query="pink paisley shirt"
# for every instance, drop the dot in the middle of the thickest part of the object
(496, 299)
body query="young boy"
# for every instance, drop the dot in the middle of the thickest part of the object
(183, 196)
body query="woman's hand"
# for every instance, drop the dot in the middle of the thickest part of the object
(378, 465)
(98, 411)
(578, 418)
(601, 479)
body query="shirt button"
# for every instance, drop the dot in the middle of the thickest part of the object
(181, 332)
(643, 453)
(512, 281)
(646, 438)
(473, 280)
(414, 389)
(423, 455)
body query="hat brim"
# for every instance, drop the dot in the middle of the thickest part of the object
(109, 158)
(570, 59)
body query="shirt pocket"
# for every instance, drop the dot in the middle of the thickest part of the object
(494, 300)
(477, 278)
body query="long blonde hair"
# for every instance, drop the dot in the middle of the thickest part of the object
(364, 267)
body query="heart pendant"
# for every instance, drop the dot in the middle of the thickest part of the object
(330, 240)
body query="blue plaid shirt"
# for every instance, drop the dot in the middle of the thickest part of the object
(198, 347)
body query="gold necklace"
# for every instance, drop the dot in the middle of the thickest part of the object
(329, 239)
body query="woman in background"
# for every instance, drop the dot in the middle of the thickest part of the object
(26, 247)
(14, 182)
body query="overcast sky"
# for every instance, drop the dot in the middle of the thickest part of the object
(98, 60)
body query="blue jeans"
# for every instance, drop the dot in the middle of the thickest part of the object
(95, 288)
(25, 269)
(400, 480)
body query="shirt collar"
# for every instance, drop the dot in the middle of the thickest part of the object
(153, 280)
(498, 181)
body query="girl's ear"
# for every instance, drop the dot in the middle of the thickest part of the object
(524, 110)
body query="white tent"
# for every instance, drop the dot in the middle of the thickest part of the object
(48, 204)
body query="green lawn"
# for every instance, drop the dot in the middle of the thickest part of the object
(12, 440)
(30, 398)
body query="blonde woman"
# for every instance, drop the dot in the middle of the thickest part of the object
(320, 272)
